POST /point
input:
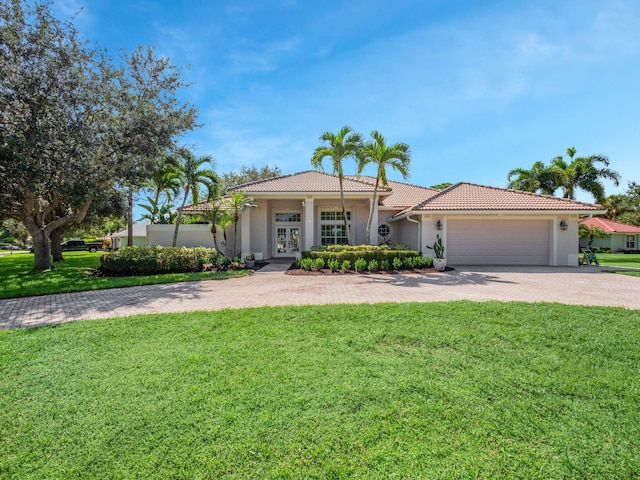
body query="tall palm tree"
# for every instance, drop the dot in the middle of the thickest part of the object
(338, 147)
(165, 180)
(381, 155)
(237, 202)
(582, 172)
(539, 178)
(217, 216)
(193, 177)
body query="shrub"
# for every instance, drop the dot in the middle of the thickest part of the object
(305, 263)
(409, 263)
(318, 263)
(372, 266)
(367, 252)
(359, 265)
(346, 265)
(384, 264)
(154, 260)
(397, 263)
(333, 264)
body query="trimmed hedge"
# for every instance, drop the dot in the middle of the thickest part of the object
(366, 252)
(154, 260)
(363, 257)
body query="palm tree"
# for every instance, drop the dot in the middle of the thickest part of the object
(164, 180)
(237, 202)
(193, 176)
(590, 232)
(581, 172)
(217, 216)
(540, 178)
(617, 204)
(381, 155)
(338, 146)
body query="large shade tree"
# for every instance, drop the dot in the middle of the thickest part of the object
(337, 147)
(196, 175)
(74, 125)
(382, 156)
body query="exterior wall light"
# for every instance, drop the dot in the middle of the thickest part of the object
(563, 224)
(438, 225)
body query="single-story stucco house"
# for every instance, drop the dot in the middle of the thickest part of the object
(479, 224)
(139, 231)
(620, 236)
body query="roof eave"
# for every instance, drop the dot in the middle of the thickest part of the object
(403, 215)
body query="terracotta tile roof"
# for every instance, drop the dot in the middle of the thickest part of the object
(609, 226)
(403, 195)
(469, 196)
(309, 181)
(206, 206)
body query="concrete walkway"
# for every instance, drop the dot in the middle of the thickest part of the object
(271, 287)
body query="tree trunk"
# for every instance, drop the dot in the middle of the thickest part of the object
(130, 220)
(179, 218)
(371, 210)
(41, 250)
(54, 240)
(344, 211)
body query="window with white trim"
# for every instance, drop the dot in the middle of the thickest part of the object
(332, 231)
(631, 241)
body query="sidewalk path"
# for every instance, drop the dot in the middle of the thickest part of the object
(579, 286)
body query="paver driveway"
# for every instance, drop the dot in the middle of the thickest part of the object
(585, 286)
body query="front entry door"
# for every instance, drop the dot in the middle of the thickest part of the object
(287, 241)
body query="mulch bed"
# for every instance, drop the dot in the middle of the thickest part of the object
(325, 271)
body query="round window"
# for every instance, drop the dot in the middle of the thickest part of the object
(384, 230)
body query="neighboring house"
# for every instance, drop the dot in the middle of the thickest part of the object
(620, 236)
(478, 224)
(139, 230)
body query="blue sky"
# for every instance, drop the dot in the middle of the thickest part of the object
(476, 88)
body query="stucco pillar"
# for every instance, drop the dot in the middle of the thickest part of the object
(373, 234)
(309, 224)
(245, 232)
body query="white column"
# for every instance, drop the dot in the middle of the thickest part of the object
(309, 224)
(373, 234)
(245, 232)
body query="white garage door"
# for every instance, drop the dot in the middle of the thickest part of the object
(498, 242)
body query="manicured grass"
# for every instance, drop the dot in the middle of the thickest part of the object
(17, 278)
(619, 260)
(444, 390)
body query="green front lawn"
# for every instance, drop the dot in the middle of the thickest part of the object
(444, 390)
(17, 278)
(619, 260)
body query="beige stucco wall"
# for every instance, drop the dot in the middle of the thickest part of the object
(197, 235)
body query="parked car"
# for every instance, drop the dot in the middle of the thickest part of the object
(8, 246)
(76, 245)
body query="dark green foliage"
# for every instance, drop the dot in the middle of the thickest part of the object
(366, 252)
(152, 260)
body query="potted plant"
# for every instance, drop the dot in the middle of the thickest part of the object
(250, 260)
(439, 262)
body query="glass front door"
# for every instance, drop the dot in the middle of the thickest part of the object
(287, 241)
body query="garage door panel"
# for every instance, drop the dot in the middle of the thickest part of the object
(498, 242)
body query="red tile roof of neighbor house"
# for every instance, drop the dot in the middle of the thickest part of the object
(205, 206)
(310, 181)
(469, 196)
(609, 226)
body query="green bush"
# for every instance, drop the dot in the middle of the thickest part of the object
(305, 263)
(372, 266)
(333, 264)
(154, 260)
(318, 263)
(367, 252)
(359, 265)
(346, 265)
(384, 264)
(397, 263)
